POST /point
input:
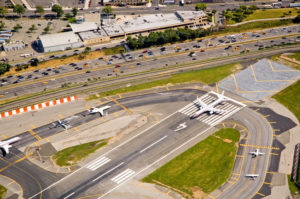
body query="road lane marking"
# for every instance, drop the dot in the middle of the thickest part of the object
(108, 171)
(260, 194)
(123, 176)
(34, 134)
(141, 151)
(257, 146)
(98, 163)
(68, 196)
(122, 106)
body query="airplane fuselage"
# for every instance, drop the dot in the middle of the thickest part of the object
(207, 109)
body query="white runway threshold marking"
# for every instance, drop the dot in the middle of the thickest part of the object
(123, 176)
(141, 151)
(98, 163)
(108, 171)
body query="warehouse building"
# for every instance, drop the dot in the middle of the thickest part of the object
(59, 41)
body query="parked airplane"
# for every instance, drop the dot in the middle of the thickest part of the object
(5, 145)
(256, 153)
(210, 107)
(252, 176)
(98, 110)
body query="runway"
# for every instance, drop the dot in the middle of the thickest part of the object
(137, 155)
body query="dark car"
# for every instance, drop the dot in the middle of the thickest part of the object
(163, 48)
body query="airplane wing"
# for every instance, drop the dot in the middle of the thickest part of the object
(215, 110)
(101, 111)
(5, 149)
(202, 104)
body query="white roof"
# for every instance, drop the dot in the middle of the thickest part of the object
(59, 39)
(190, 14)
(82, 27)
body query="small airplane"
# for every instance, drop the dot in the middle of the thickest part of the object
(60, 123)
(256, 153)
(210, 107)
(252, 176)
(5, 145)
(98, 110)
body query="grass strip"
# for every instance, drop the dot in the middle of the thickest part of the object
(295, 56)
(3, 191)
(293, 188)
(72, 155)
(290, 98)
(202, 168)
(207, 76)
(271, 13)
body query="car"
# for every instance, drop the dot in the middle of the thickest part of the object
(29, 76)
(150, 53)
(56, 71)
(36, 71)
(49, 69)
(186, 49)
(202, 50)
(20, 76)
(36, 78)
(109, 74)
(145, 51)
(163, 48)
(109, 62)
(45, 73)
(138, 63)
(88, 71)
(52, 56)
(17, 81)
(283, 37)
(100, 58)
(79, 69)
(194, 58)
(200, 40)
(117, 66)
(3, 80)
(75, 51)
(210, 45)
(130, 57)
(9, 76)
(127, 55)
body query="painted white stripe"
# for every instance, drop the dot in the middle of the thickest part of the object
(98, 163)
(68, 196)
(227, 116)
(51, 103)
(65, 99)
(72, 98)
(105, 172)
(14, 112)
(57, 101)
(43, 104)
(28, 108)
(6, 114)
(21, 110)
(141, 151)
(123, 176)
(36, 107)
(227, 107)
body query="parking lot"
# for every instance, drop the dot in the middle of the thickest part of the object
(259, 80)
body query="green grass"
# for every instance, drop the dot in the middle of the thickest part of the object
(254, 26)
(290, 98)
(113, 50)
(3, 191)
(295, 56)
(205, 166)
(72, 155)
(293, 188)
(271, 13)
(207, 76)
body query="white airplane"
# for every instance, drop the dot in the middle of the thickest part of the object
(210, 107)
(256, 153)
(98, 110)
(25, 55)
(5, 145)
(61, 123)
(252, 176)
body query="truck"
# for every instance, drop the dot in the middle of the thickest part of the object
(181, 2)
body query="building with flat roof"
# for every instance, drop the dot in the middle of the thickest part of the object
(59, 41)
(196, 17)
(82, 27)
(94, 37)
(92, 17)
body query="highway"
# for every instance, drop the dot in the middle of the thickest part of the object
(137, 154)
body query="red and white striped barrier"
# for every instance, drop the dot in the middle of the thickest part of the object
(37, 106)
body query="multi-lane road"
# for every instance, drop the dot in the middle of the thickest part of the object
(135, 155)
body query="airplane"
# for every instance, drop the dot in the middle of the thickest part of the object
(98, 110)
(256, 153)
(5, 145)
(60, 123)
(25, 55)
(252, 176)
(210, 108)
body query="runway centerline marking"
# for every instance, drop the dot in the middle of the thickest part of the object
(34, 134)
(122, 106)
(141, 151)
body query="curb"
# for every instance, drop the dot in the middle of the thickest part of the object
(37, 106)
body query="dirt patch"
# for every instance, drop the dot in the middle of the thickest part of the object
(227, 140)
(198, 193)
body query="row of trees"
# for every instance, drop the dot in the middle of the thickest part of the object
(4, 67)
(167, 36)
(238, 15)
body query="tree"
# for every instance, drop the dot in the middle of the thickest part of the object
(32, 28)
(58, 9)
(200, 6)
(68, 16)
(17, 27)
(4, 67)
(87, 50)
(214, 11)
(19, 9)
(34, 62)
(297, 19)
(3, 10)
(2, 25)
(47, 29)
(40, 10)
(107, 10)
(75, 11)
